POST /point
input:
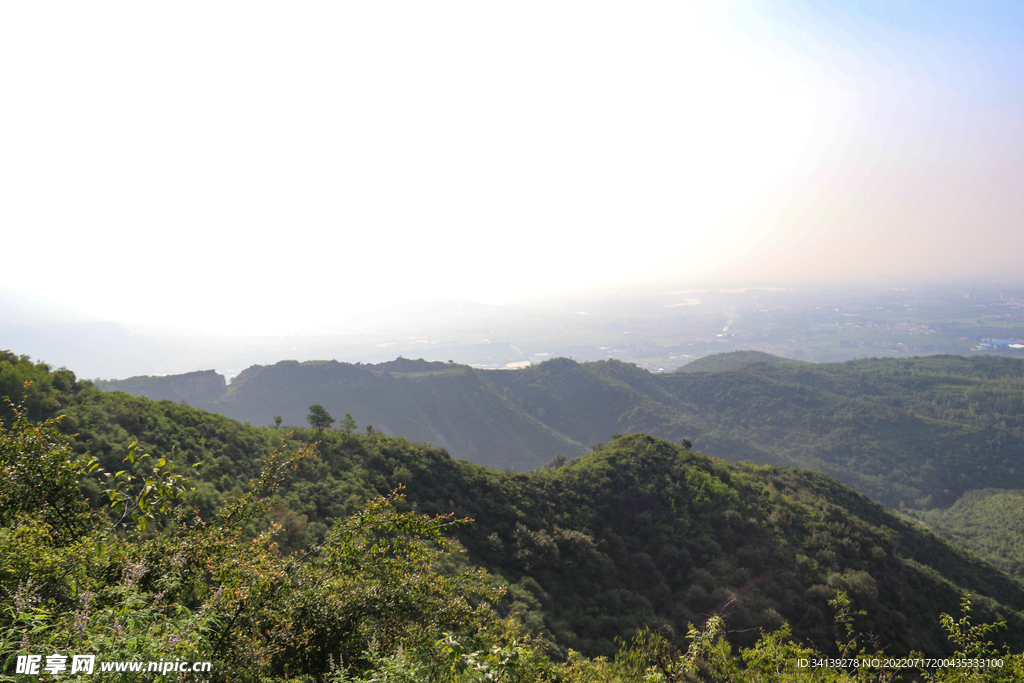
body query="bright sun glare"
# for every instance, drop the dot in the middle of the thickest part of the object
(207, 163)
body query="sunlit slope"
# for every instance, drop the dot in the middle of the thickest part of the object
(644, 532)
(916, 433)
(588, 402)
(639, 532)
(729, 361)
(988, 522)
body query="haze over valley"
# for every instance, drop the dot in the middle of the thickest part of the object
(659, 327)
(540, 342)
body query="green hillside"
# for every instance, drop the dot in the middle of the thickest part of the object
(729, 361)
(639, 532)
(666, 536)
(446, 404)
(988, 522)
(917, 433)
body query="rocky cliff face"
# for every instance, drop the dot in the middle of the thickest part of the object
(200, 389)
(199, 385)
(250, 371)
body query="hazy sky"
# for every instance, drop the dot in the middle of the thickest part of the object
(247, 167)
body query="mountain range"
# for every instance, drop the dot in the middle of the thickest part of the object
(915, 433)
(639, 531)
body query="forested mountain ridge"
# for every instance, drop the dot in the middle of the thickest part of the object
(729, 361)
(449, 405)
(917, 432)
(641, 531)
(669, 536)
(989, 522)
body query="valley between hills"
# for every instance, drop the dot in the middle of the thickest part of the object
(604, 498)
(910, 433)
(916, 435)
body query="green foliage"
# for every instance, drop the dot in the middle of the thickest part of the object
(645, 532)
(348, 424)
(203, 590)
(973, 645)
(41, 389)
(414, 398)
(296, 577)
(507, 662)
(144, 498)
(39, 476)
(913, 433)
(651, 657)
(319, 418)
(776, 658)
(729, 361)
(967, 636)
(985, 521)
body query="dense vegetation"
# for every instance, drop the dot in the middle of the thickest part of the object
(640, 533)
(915, 433)
(447, 404)
(140, 580)
(988, 522)
(729, 360)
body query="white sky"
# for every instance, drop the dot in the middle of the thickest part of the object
(248, 167)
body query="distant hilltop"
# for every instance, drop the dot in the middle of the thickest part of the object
(200, 386)
(639, 531)
(728, 361)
